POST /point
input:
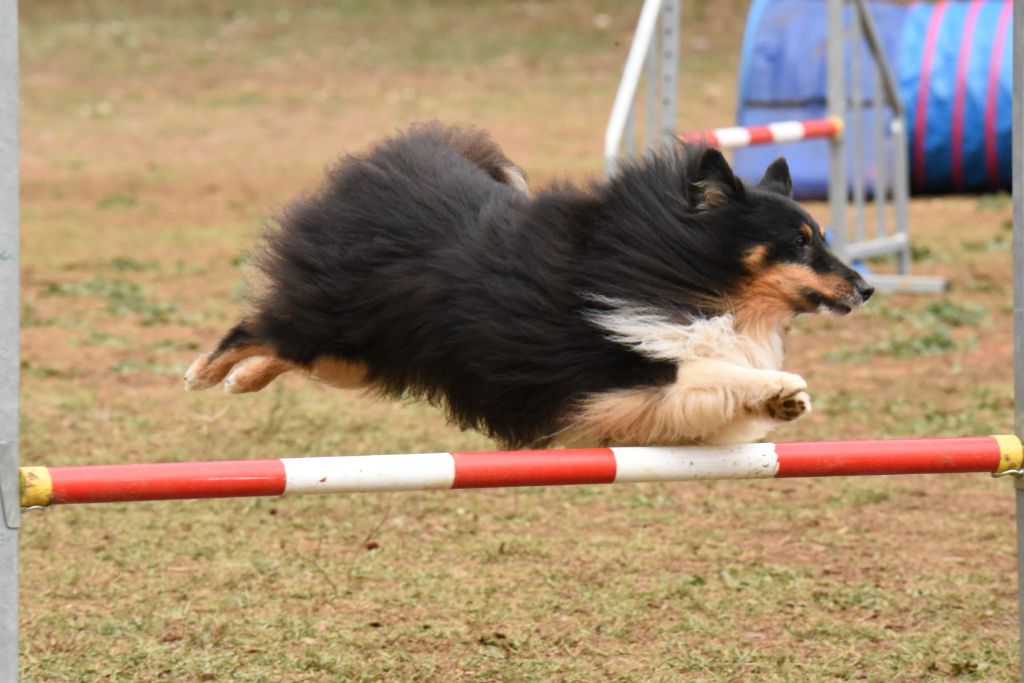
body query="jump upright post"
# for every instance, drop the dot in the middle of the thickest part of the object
(1018, 288)
(653, 60)
(10, 264)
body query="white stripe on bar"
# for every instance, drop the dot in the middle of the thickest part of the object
(787, 131)
(749, 461)
(404, 472)
(732, 137)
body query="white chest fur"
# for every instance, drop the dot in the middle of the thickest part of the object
(654, 335)
(728, 381)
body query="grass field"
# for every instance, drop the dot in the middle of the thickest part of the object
(157, 138)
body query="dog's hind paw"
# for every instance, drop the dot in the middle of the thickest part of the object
(255, 373)
(195, 378)
(789, 407)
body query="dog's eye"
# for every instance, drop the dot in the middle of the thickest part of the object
(802, 241)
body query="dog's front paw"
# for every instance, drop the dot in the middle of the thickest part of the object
(771, 390)
(788, 384)
(788, 407)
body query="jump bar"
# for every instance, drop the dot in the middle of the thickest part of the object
(42, 486)
(783, 131)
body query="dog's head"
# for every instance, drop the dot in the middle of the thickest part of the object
(785, 266)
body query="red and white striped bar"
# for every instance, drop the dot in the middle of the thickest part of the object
(783, 131)
(41, 486)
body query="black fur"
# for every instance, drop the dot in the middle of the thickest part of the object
(456, 288)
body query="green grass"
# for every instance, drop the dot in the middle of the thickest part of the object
(121, 297)
(119, 200)
(922, 331)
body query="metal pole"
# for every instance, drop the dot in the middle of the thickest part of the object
(857, 128)
(669, 69)
(1018, 286)
(630, 131)
(900, 152)
(881, 187)
(901, 187)
(867, 25)
(626, 94)
(9, 329)
(652, 130)
(1018, 212)
(837, 108)
(878, 119)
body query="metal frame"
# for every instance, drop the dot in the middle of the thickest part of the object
(863, 32)
(1018, 286)
(9, 333)
(836, 107)
(655, 49)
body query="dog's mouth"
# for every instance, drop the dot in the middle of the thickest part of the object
(837, 307)
(841, 305)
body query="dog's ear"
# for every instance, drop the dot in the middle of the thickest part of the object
(776, 178)
(714, 184)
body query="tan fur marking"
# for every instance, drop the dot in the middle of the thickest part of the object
(712, 195)
(806, 230)
(754, 259)
(339, 373)
(710, 402)
(254, 374)
(771, 298)
(210, 369)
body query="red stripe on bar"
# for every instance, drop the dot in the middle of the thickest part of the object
(896, 456)
(167, 481)
(760, 135)
(534, 468)
(707, 137)
(820, 128)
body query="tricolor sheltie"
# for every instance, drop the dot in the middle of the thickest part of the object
(650, 308)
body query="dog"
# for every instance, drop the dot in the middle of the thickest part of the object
(647, 309)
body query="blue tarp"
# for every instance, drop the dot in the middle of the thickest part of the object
(783, 77)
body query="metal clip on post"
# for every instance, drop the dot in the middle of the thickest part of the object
(10, 491)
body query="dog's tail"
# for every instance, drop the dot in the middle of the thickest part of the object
(478, 147)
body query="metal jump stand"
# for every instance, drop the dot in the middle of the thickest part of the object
(10, 265)
(1018, 286)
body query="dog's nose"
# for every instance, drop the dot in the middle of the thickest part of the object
(865, 290)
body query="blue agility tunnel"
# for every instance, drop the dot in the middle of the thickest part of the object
(952, 64)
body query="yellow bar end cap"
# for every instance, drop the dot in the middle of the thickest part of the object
(1011, 453)
(36, 486)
